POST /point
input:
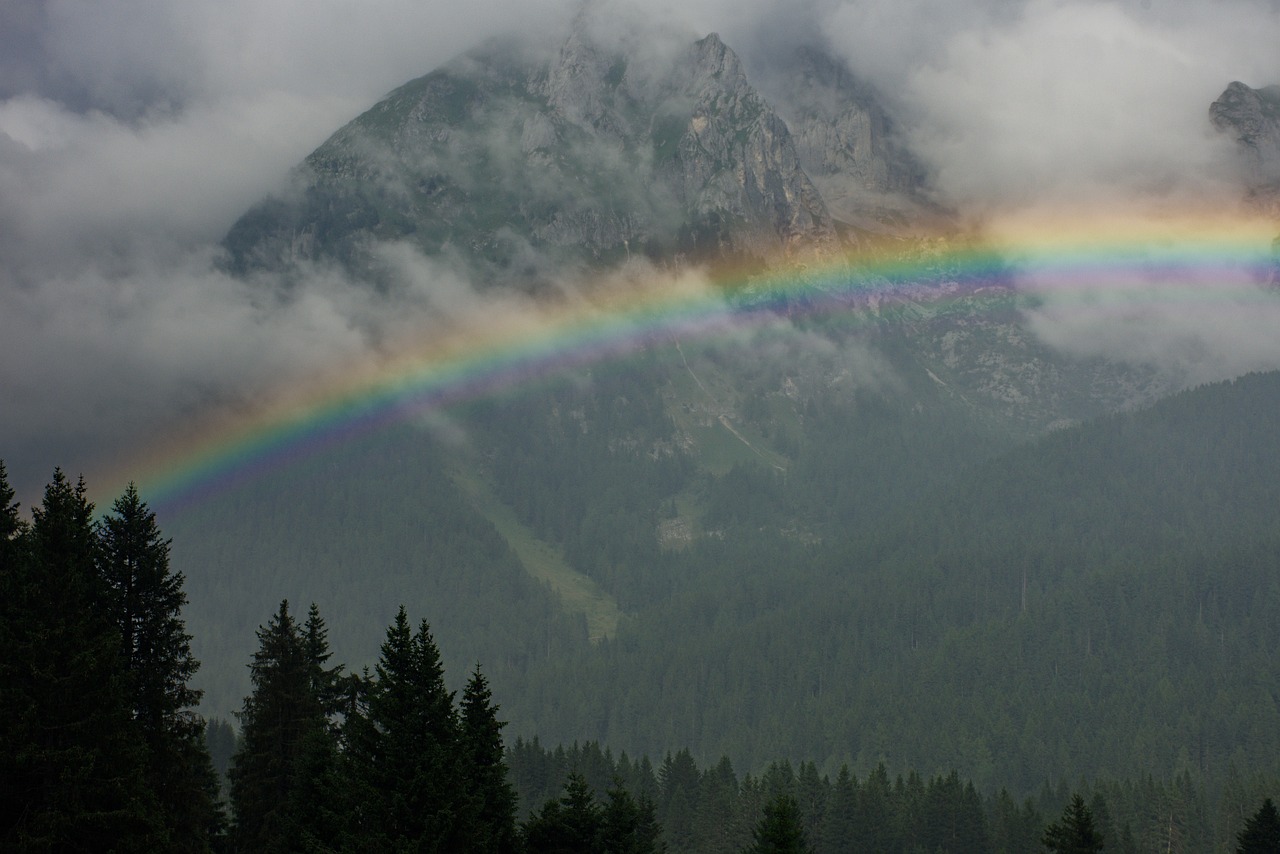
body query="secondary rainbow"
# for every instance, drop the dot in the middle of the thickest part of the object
(1193, 264)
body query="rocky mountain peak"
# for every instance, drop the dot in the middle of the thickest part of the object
(715, 55)
(1252, 116)
(848, 143)
(513, 164)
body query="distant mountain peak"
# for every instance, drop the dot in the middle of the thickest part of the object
(849, 144)
(1252, 116)
(514, 163)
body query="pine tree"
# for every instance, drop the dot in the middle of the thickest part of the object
(811, 797)
(953, 816)
(780, 830)
(875, 823)
(715, 827)
(327, 683)
(840, 830)
(15, 630)
(74, 757)
(1074, 833)
(648, 832)
(573, 824)
(1261, 834)
(678, 779)
(403, 749)
(628, 826)
(283, 729)
(1014, 828)
(11, 526)
(490, 816)
(146, 603)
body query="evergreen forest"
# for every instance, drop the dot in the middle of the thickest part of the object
(104, 749)
(881, 577)
(607, 443)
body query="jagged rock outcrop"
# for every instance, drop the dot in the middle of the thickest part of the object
(849, 145)
(735, 158)
(1252, 116)
(514, 166)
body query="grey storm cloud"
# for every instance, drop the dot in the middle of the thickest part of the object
(134, 132)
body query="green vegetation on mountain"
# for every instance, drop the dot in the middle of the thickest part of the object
(387, 760)
(901, 542)
(1109, 585)
(384, 522)
(907, 586)
(577, 592)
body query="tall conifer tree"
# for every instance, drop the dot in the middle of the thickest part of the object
(628, 826)
(1261, 834)
(283, 729)
(11, 526)
(15, 700)
(403, 750)
(840, 830)
(146, 603)
(781, 829)
(574, 824)
(327, 683)
(75, 778)
(1074, 832)
(490, 815)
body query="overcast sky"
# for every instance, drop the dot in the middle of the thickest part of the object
(134, 132)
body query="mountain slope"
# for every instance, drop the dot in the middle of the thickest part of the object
(1253, 117)
(850, 146)
(518, 168)
(1094, 603)
(817, 536)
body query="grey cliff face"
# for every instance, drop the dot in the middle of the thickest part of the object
(516, 165)
(513, 166)
(1252, 116)
(848, 143)
(735, 160)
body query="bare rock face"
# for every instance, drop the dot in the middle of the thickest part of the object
(514, 164)
(849, 145)
(734, 163)
(1253, 117)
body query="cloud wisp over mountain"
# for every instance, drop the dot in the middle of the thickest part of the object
(133, 133)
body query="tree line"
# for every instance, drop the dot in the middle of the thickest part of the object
(1019, 610)
(711, 808)
(103, 749)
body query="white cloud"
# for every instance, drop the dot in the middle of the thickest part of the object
(133, 132)
(1069, 103)
(1064, 126)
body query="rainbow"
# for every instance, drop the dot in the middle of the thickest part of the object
(514, 343)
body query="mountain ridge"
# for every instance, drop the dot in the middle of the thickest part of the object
(586, 155)
(774, 518)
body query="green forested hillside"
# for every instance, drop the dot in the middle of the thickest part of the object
(1098, 682)
(357, 533)
(809, 558)
(1103, 599)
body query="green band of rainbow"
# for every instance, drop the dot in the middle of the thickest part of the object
(1229, 262)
